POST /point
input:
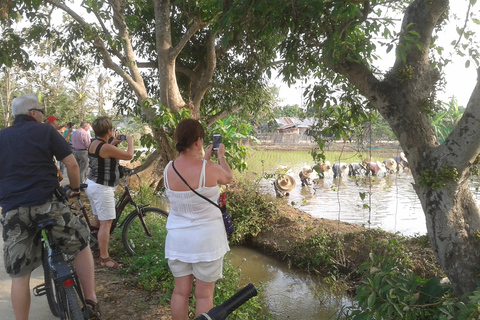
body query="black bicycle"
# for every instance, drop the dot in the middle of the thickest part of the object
(234, 302)
(142, 228)
(62, 288)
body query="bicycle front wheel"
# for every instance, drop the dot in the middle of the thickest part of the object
(138, 226)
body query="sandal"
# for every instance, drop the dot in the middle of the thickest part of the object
(102, 262)
(93, 310)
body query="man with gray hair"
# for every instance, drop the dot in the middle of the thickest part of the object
(81, 141)
(28, 180)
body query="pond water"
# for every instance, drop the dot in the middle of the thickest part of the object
(387, 201)
(287, 293)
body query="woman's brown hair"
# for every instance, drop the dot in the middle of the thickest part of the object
(101, 125)
(188, 131)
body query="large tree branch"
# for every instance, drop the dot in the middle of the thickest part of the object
(465, 138)
(119, 22)
(194, 27)
(420, 19)
(212, 119)
(203, 84)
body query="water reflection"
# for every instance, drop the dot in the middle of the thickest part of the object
(389, 202)
(287, 293)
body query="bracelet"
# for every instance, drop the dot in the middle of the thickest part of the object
(221, 157)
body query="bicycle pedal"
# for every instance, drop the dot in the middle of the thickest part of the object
(40, 290)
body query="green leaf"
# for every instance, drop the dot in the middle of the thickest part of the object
(371, 300)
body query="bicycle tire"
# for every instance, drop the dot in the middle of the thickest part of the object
(74, 310)
(49, 284)
(134, 238)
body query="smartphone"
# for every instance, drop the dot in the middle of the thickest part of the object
(123, 137)
(217, 139)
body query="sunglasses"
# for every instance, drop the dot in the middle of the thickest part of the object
(39, 110)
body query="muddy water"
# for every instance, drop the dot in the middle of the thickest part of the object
(287, 293)
(387, 201)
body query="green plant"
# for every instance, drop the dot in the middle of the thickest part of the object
(250, 210)
(436, 179)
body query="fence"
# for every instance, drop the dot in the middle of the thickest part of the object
(286, 139)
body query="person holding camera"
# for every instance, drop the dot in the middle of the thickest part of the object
(103, 180)
(80, 143)
(29, 193)
(196, 240)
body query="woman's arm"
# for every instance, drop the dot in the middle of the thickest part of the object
(111, 151)
(222, 170)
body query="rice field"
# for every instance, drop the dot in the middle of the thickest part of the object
(262, 160)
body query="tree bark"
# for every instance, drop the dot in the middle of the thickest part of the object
(452, 214)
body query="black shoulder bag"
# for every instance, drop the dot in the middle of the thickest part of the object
(227, 220)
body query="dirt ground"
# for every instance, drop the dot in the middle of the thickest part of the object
(121, 300)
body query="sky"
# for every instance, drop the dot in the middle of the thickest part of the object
(460, 80)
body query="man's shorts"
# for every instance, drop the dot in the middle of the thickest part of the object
(102, 200)
(209, 271)
(22, 247)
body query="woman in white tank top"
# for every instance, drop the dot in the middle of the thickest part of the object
(196, 241)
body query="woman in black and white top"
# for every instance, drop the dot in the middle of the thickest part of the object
(102, 180)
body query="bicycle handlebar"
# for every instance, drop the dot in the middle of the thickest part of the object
(222, 311)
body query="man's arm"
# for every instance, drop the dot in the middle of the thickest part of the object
(73, 171)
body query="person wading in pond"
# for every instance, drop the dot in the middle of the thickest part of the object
(103, 180)
(196, 240)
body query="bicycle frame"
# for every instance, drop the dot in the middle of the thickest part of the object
(62, 272)
(125, 199)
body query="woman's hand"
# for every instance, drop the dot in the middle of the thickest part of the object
(208, 152)
(221, 150)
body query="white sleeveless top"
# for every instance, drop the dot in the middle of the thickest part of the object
(196, 232)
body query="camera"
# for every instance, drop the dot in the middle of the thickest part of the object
(123, 137)
(217, 139)
(70, 124)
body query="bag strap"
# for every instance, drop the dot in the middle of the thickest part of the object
(202, 196)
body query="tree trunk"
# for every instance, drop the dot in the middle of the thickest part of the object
(452, 215)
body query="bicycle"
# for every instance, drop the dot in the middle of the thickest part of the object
(142, 228)
(62, 287)
(222, 311)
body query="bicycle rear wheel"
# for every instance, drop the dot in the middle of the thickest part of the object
(134, 237)
(74, 309)
(49, 284)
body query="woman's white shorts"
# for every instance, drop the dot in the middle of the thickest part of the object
(102, 200)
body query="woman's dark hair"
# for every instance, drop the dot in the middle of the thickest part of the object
(188, 131)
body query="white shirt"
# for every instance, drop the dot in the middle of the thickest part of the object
(196, 232)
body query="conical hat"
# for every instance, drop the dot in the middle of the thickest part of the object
(307, 171)
(381, 166)
(286, 184)
(327, 166)
(391, 164)
(343, 168)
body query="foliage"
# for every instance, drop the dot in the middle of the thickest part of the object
(234, 131)
(251, 211)
(391, 290)
(436, 179)
(445, 120)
